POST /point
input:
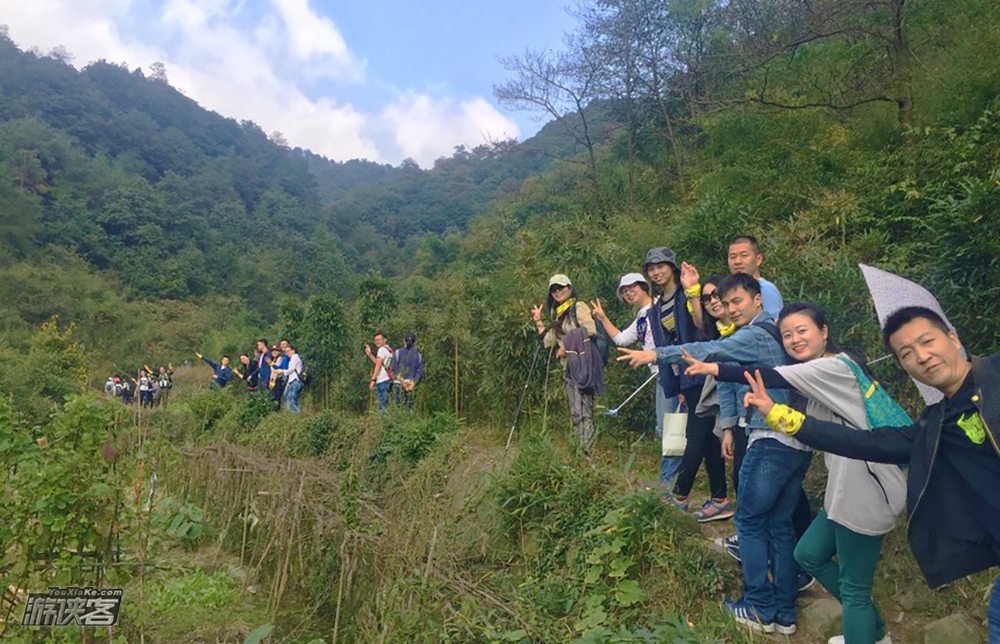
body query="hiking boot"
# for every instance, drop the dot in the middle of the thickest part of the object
(713, 510)
(839, 639)
(744, 614)
(804, 581)
(679, 502)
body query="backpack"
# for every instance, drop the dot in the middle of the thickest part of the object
(880, 409)
(387, 363)
(305, 376)
(602, 340)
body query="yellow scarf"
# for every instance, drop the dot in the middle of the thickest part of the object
(562, 308)
(725, 330)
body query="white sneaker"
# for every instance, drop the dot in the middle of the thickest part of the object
(839, 639)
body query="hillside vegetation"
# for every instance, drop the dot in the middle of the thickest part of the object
(137, 227)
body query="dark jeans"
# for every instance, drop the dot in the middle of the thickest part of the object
(771, 476)
(801, 517)
(739, 451)
(382, 392)
(290, 399)
(702, 445)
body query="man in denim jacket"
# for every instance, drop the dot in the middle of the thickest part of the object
(774, 467)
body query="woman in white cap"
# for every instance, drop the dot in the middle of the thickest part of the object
(633, 289)
(567, 313)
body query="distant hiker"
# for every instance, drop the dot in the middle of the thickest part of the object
(773, 469)
(568, 315)
(247, 371)
(109, 386)
(279, 361)
(381, 380)
(745, 258)
(263, 364)
(409, 371)
(165, 380)
(953, 450)
(292, 376)
(223, 372)
(862, 499)
(145, 388)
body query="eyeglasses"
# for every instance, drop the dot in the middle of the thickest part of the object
(708, 297)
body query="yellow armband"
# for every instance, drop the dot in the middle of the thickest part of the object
(694, 292)
(785, 420)
(689, 307)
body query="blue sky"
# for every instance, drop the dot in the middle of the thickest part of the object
(382, 80)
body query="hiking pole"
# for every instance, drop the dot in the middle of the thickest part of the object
(520, 402)
(614, 412)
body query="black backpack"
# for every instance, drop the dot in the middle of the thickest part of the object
(305, 375)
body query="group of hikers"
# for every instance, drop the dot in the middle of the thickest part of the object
(281, 371)
(149, 388)
(277, 369)
(402, 370)
(764, 385)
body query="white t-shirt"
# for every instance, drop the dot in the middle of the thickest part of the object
(386, 356)
(632, 335)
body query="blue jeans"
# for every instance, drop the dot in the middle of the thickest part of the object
(382, 390)
(770, 484)
(669, 465)
(993, 614)
(290, 399)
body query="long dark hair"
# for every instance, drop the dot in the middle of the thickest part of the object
(818, 316)
(708, 328)
(551, 303)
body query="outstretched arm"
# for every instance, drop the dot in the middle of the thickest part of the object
(881, 445)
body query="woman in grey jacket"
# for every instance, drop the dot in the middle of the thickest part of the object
(862, 499)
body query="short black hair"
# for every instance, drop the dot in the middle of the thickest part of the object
(264, 340)
(225, 357)
(739, 280)
(908, 314)
(746, 239)
(381, 333)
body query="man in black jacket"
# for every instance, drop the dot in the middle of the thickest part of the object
(953, 450)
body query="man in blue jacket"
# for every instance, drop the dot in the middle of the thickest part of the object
(223, 372)
(772, 471)
(953, 450)
(409, 370)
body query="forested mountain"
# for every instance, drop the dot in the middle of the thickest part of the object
(837, 133)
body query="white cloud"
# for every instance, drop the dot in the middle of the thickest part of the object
(425, 128)
(257, 66)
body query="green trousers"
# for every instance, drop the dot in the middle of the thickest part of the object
(849, 578)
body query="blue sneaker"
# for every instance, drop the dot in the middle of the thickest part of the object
(744, 614)
(804, 581)
(681, 503)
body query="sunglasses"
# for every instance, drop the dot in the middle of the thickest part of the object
(557, 287)
(708, 297)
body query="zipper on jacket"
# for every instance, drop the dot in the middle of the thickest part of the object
(877, 480)
(930, 465)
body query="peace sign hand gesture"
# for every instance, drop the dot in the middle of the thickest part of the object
(757, 396)
(697, 367)
(597, 309)
(536, 313)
